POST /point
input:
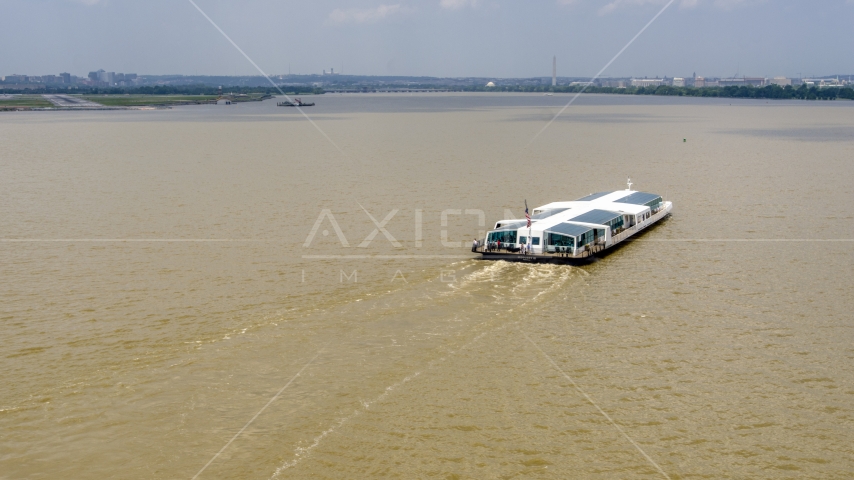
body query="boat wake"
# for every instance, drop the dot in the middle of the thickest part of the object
(503, 286)
(302, 452)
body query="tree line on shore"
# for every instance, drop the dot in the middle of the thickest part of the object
(802, 92)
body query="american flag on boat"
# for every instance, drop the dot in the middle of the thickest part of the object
(527, 216)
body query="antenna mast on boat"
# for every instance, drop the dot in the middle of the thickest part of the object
(629, 182)
(528, 218)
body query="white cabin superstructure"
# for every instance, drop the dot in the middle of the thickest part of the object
(576, 229)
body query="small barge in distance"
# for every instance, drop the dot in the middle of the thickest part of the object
(296, 103)
(574, 232)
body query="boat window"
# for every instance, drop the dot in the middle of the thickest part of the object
(534, 240)
(654, 203)
(585, 238)
(559, 240)
(503, 236)
(616, 224)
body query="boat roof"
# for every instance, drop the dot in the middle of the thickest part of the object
(594, 209)
(548, 213)
(603, 199)
(639, 198)
(511, 224)
(571, 229)
(596, 216)
(593, 196)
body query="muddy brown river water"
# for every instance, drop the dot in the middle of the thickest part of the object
(160, 286)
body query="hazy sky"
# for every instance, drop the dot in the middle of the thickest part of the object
(486, 38)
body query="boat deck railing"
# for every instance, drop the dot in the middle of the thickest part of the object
(583, 252)
(626, 233)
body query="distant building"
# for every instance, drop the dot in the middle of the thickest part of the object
(107, 77)
(609, 82)
(678, 82)
(15, 78)
(699, 82)
(554, 71)
(781, 81)
(66, 77)
(743, 82)
(648, 82)
(823, 82)
(490, 84)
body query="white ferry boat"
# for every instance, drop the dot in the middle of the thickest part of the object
(577, 231)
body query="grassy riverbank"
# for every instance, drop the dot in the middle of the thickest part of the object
(23, 101)
(166, 100)
(149, 100)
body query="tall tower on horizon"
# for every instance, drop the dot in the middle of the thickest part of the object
(554, 71)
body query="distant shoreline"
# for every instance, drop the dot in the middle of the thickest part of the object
(137, 101)
(770, 92)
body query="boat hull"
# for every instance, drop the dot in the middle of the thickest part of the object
(552, 259)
